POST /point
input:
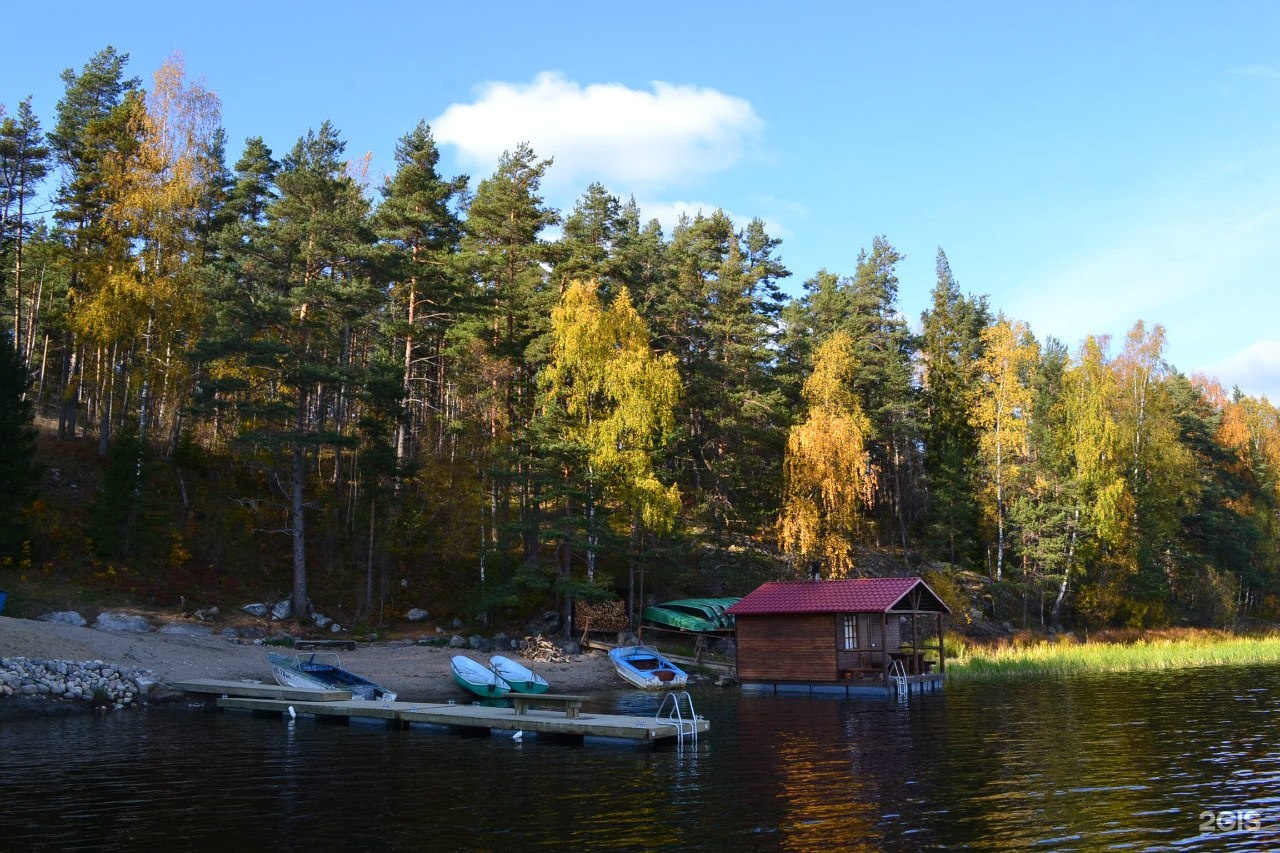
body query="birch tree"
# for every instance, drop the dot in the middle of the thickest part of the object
(828, 476)
(618, 398)
(1000, 413)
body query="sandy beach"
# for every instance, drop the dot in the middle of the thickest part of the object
(416, 673)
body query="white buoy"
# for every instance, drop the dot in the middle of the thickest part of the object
(518, 736)
(293, 715)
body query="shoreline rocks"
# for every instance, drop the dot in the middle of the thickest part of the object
(104, 686)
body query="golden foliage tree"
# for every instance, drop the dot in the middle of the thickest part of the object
(619, 400)
(828, 476)
(1001, 411)
(146, 294)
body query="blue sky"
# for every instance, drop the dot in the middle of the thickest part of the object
(1085, 165)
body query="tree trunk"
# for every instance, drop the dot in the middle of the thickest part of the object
(1066, 571)
(402, 430)
(298, 509)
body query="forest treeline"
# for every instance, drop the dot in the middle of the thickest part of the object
(440, 389)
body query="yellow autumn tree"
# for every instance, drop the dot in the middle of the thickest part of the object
(828, 476)
(1000, 412)
(1093, 449)
(145, 301)
(617, 400)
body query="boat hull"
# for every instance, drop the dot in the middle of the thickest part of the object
(669, 618)
(647, 669)
(318, 674)
(477, 678)
(520, 678)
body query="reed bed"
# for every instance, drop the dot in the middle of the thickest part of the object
(1122, 652)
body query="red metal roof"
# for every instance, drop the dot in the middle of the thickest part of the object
(848, 595)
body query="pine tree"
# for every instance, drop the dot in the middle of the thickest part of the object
(718, 316)
(883, 346)
(17, 466)
(503, 249)
(23, 165)
(92, 128)
(418, 220)
(298, 383)
(950, 348)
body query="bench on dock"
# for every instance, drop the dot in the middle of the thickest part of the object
(571, 705)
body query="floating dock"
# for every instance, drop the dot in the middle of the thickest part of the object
(338, 705)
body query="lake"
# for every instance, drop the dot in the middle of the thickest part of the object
(1181, 761)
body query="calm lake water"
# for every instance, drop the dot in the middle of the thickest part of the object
(1119, 763)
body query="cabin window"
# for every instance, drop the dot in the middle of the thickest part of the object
(870, 631)
(850, 632)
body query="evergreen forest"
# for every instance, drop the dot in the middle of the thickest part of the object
(284, 376)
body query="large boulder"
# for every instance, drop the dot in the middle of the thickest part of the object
(258, 609)
(282, 609)
(64, 617)
(123, 622)
(417, 614)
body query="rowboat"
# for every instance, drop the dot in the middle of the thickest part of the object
(478, 678)
(324, 674)
(680, 618)
(520, 677)
(645, 668)
(700, 615)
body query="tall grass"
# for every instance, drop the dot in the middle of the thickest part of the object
(1119, 652)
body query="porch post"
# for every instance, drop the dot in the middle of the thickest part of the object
(942, 649)
(884, 647)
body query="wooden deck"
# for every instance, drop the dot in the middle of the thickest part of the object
(248, 697)
(216, 687)
(868, 687)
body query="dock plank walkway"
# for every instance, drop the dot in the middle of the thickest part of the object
(614, 726)
(217, 687)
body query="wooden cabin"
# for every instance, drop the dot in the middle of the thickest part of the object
(851, 636)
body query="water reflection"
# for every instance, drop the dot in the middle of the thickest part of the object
(1123, 762)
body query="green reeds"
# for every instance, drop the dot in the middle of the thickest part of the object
(1068, 656)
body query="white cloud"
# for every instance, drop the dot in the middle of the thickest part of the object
(1255, 369)
(624, 138)
(668, 213)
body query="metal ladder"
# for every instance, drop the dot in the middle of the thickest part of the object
(898, 676)
(675, 715)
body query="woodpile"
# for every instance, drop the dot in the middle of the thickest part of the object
(600, 616)
(541, 650)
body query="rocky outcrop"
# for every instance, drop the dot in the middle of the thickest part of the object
(102, 685)
(122, 622)
(65, 617)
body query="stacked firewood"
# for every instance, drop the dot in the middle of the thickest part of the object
(538, 648)
(604, 616)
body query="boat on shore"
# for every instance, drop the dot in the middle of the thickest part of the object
(698, 615)
(478, 678)
(323, 671)
(518, 676)
(646, 668)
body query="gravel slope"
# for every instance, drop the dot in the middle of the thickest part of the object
(416, 673)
